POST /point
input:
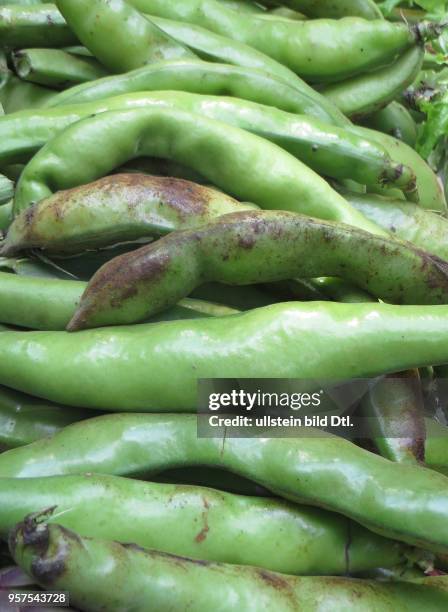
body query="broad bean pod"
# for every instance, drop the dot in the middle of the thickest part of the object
(202, 523)
(394, 409)
(364, 94)
(136, 41)
(118, 208)
(367, 9)
(394, 120)
(49, 304)
(405, 220)
(6, 216)
(272, 177)
(17, 95)
(131, 368)
(25, 419)
(317, 50)
(6, 189)
(400, 501)
(330, 150)
(33, 26)
(431, 195)
(256, 246)
(56, 68)
(102, 575)
(200, 77)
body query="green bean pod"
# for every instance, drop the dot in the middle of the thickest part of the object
(317, 50)
(136, 41)
(431, 195)
(243, 5)
(118, 208)
(272, 177)
(33, 26)
(17, 95)
(197, 77)
(405, 220)
(396, 121)
(102, 575)
(256, 246)
(367, 9)
(49, 304)
(394, 409)
(56, 68)
(277, 341)
(364, 94)
(400, 501)
(436, 446)
(213, 47)
(328, 150)
(25, 419)
(202, 523)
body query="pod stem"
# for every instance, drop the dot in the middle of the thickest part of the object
(428, 30)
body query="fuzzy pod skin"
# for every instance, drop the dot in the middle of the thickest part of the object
(197, 77)
(396, 121)
(103, 575)
(56, 68)
(405, 220)
(430, 191)
(367, 9)
(366, 93)
(49, 304)
(395, 411)
(131, 368)
(25, 419)
(251, 247)
(329, 150)
(403, 502)
(33, 26)
(136, 41)
(17, 95)
(202, 523)
(114, 209)
(317, 50)
(272, 177)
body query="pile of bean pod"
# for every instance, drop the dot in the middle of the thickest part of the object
(239, 189)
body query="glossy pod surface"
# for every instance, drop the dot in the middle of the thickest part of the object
(201, 523)
(130, 368)
(251, 247)
(327, 149)
(59, 559)
(272, 177)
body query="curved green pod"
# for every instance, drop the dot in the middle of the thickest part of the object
(214, 47)
(56, 68)
(102, 575)
(367, 9)
(329, 150)
(49, 304)
(394, 409)
(436, 446)
(218, 151)
(396, 121)
(317, 50)
(405, 220)
(202, 523)
(366, 93)
(256, 246)
(25, 419)
(17, 95)
(136, 41)
(118, 208)
(133, 370)
(33, 26)
(404, 502)
(196, 77)
(429, 189)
